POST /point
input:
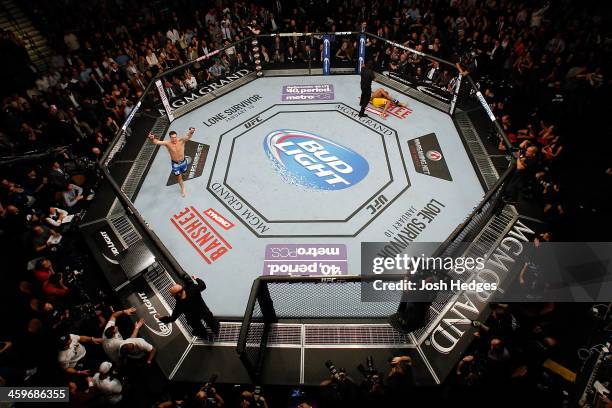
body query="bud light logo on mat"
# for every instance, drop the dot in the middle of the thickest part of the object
(312, 161)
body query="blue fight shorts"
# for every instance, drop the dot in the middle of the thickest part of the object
(180, 167)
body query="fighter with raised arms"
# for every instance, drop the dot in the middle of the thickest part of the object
(176, 148)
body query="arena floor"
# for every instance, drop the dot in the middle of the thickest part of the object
(284, 177)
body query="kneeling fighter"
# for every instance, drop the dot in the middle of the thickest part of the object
(381, 98)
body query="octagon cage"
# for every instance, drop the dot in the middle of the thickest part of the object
(274, 300)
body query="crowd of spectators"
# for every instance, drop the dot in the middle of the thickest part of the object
(538, 64)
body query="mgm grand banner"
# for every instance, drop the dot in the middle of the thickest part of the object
(452, 331)
(205, 88)
(522, 267)
(426, 87)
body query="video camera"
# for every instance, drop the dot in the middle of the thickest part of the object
(337, 374)
(369, 372)
(209, 389)
(254, 398)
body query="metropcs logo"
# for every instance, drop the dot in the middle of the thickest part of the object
(162, 330)
(312, 161)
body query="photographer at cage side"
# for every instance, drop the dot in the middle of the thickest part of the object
(339, 389)
(372, 387)
(399, 380)
(205, 397)
(252, 399)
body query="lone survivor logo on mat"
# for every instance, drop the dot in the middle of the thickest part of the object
(428, 158)
(195, 153)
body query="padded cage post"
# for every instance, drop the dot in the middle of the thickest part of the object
(256, 324)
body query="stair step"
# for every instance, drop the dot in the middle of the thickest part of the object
(20, 18)
(26, 26)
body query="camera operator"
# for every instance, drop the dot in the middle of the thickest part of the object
(207, 396)
(399, 379)
(339, 389)
(470, 371)
(372, 388)
(252, 399)
(56, 318)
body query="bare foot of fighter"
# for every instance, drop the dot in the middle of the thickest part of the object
(176, 148)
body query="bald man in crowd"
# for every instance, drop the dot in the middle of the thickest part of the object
(189, 301)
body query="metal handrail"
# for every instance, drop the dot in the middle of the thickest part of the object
(24, 34)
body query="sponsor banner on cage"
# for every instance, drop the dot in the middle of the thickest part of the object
(428, 88)
(108, 243)
(428, 158)
(164, 98)
(177, 100)
(361, 53)
(305, 260)
(195, 154)
(326, 55)
(316, 92)
(141, 295)
(200, 234)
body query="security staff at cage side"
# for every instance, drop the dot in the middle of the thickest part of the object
(190, 302)
(367, 76)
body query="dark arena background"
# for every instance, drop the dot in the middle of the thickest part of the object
(305, 203)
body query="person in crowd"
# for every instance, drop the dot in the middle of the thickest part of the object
(43, 269)
(217, 70)
(56, 217)
(54, 287)
(137, 348)
(72, 195)
(44, 239)
(107, 384)
(111, 337)
(72, 353)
